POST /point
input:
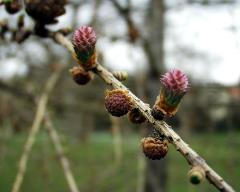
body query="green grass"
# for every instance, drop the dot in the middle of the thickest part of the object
(93, 163)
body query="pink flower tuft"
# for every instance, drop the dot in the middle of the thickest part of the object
(84, 39)
(175, 81)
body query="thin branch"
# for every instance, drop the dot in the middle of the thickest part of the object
(63, 159)
(41, 107)
(190, 155)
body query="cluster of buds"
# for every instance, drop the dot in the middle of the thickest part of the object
(154, 146)
(118, 102)
(174, 86)
(84, 41)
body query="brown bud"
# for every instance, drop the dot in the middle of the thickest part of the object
(136, 117)
(117, 102)
(45, 12)
(196, 175)
(80, 76)
(154, 148)
(157, 113)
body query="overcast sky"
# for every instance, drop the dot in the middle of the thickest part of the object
(204, 41)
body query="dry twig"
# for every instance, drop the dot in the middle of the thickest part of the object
(63, 160)
(190, 155)
(41, 108)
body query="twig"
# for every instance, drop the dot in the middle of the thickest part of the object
(41, 107)
(63, 159)
(190, 155)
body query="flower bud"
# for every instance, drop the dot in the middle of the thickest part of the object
(136, 117)
(80, 76)
(84, 40)
(117, 102)
(154, 148)
(196, 175)
(175, 85)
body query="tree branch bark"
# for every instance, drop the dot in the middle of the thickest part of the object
(190, 155)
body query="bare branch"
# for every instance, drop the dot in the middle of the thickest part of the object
(63, 159)
(41, 107)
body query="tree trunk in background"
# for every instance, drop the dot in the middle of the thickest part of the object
(87, 126)
(117, 140)
(156, 178)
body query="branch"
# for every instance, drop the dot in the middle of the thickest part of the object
(63, 160)
(41, 107)
(190, 155)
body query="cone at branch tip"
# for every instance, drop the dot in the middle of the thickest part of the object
(84, 41)
(174, 86)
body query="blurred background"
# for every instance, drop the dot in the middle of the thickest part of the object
(144, 38)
